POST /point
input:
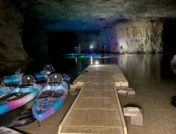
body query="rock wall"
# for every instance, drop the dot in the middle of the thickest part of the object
(139, 36)
(11, 48)
(101, 41)
(85, 40)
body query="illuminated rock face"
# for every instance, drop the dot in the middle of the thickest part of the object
(139, 36)
(129, 36)
(11, 48)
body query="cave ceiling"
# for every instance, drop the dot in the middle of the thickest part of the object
(95, 11)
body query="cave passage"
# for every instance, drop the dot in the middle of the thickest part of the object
(61, 43)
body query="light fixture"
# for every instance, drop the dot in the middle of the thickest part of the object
(97, 62)
(91, 46)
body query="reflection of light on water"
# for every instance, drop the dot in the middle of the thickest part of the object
(91, 60)
(76, 60)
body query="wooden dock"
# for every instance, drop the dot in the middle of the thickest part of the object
(97, 107)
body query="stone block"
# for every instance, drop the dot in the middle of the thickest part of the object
(122, 92)
(121, 84)
(76, 86)
(79, 84)
(135, 115)
(131, 92)
(126, 91)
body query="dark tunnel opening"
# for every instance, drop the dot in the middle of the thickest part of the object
(46, 46)
(40, 42)
(61, 43)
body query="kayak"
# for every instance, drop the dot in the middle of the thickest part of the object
(5, 130)
(51, 98)
(12, 80)
(43, 75)
(4, 90)
(19, 96)
(66, 78)
(23, 118)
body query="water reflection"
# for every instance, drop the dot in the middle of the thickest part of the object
(138, 66)
(141, 66)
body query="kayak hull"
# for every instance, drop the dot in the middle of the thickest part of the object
(57, 102)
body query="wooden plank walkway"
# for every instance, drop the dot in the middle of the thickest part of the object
(97, 107)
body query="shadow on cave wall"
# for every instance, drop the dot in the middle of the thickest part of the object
(169, 46)
(169, 37)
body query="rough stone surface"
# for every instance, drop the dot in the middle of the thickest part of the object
(11, 49)
(139, 36)
(101, 10)
(130, 36)
(86, 40)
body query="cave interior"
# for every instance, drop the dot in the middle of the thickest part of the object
(43, 28)
(142, 33)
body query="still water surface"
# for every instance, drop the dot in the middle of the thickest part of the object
(136, 66)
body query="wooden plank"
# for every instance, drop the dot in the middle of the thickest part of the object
(97, 107)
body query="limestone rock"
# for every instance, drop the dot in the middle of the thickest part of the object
(139, 36)
(99, 10)
(11, 48)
